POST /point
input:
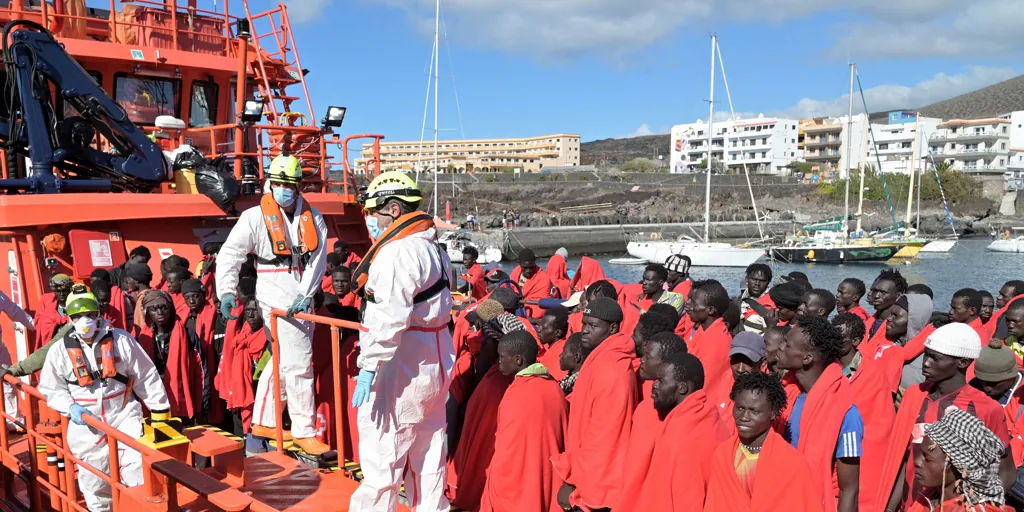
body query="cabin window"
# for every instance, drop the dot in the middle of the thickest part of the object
(203, 111)
(145, 98)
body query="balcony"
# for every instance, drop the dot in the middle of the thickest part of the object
(822, 141)
(983, 168)
(835, 155)
(970, 135)
(965, 152)
(823, 128)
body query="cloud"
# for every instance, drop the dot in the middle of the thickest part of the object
(891, 96)
(306, 10)
(558, 30)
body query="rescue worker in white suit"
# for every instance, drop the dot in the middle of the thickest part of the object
(406, 354)
(289, 240)
(103, 372)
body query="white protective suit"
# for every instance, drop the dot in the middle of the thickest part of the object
(402, 428)
(22, 320)
(110, 400)
(278, 287)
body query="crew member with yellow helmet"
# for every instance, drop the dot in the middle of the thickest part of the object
(100, 371)
(406, 354)
(289, 239)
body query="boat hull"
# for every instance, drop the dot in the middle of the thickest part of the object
(939, 246)
(840, 254)
(700, 254)
(1013, 246)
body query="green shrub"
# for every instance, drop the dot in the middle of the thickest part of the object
(957, 186)
(584, 177)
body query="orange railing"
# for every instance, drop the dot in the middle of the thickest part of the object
(162, 474)
(275, 349)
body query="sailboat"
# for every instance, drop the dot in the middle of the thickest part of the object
(829, 245)
(702, 253)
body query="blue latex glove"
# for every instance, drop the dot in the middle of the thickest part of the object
(228, 303)
(77, 411)
(301, 305)
(362, 393)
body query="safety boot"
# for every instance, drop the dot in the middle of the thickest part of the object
(311, 445)
(269, 432)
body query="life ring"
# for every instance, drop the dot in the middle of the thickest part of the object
(810, 254)
(654, 236)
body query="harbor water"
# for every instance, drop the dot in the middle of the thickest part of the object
(968, 265)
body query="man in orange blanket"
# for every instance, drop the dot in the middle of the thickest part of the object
(348, 258)
(678, 280)
(467, 469)
(1010, 291)
(333, 262)
(817, 302)
(848, 296)
(757, 470)
(758, 279)
(873, 397)
(175, 277)
(533, 281)
(604, 396)
(996, 374)
(50, 315)
(948, 352)
(824, 424)
(711, 341)
(654, 292)
(888, 287)
(647, 423)
(341, 287)
(554, 328)
(681, 463)
(475, 273)
(558, 272)
(532, 418)
(965, 308)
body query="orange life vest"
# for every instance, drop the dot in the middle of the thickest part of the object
(309, 239)
(81, 365)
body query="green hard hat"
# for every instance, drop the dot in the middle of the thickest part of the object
(81, 301)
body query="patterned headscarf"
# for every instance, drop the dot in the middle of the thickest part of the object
(974, 451)
(510, 322)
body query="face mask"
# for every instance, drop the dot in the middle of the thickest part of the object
(285, 197)
(372, 227)
(85, 327)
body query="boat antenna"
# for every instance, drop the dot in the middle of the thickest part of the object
(711, 125)
(732, 112)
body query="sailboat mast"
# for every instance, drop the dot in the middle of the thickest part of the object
(913, 171)
(711, 126)
(920, 177)
(437, 32)
(863, 171)
(849, 148)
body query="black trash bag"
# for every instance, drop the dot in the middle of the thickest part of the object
(218, 183)
(190, 159)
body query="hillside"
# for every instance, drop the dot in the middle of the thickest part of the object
(990, 101)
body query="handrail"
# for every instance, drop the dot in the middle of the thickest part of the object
(154, 462)
(275, 351)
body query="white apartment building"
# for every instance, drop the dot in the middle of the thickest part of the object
(823, 141)
(763, 145)
(895, 142)
(977, 146)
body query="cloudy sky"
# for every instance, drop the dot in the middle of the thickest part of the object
(613, 68)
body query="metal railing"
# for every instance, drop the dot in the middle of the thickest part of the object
(161, 473)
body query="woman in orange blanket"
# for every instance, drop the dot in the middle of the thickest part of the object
(532, 418)
(956, 467)
(533, 281)
(757, 470)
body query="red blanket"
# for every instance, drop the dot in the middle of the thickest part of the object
(824, 409)
(896, 448)
(476, 282)
(872, 394)
(323, 368)
(118, 311)
(712, 346)
(603, 400)
(993, 323)
(679, 472)
(588, 273)
(1015, 420)
(532, 419)
(536, 288)
(326, 283)
(782, 482)
(467, 471)
(558, 274)
(47, 320)
(862, 314)
(871, 344)
(647, 427)
(183, 376)
(549, 357)
(683, 287)
(242, 348)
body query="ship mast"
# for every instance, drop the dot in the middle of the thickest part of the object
(849, 150)
(437, 32)
(711, 125)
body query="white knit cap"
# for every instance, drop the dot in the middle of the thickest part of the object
(955, 340)
(562, 252)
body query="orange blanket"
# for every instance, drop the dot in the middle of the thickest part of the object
(603, 400)
(683, 287)
(993, 323)
(679, 472)
(782, 482)
(871, 344)
(872, 394)
(1014, 411)
(549, 357)
(824, 409)
(532, 419)
(712, 346)
(476, 282)
(896, 448)
(536, 288)
(467, 471)
(588, 273)
(647, 428)
(558, 274)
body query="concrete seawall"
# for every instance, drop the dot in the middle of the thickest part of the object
(612, 239)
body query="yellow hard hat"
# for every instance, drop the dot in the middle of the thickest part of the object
(390, 185)
(285, 169)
